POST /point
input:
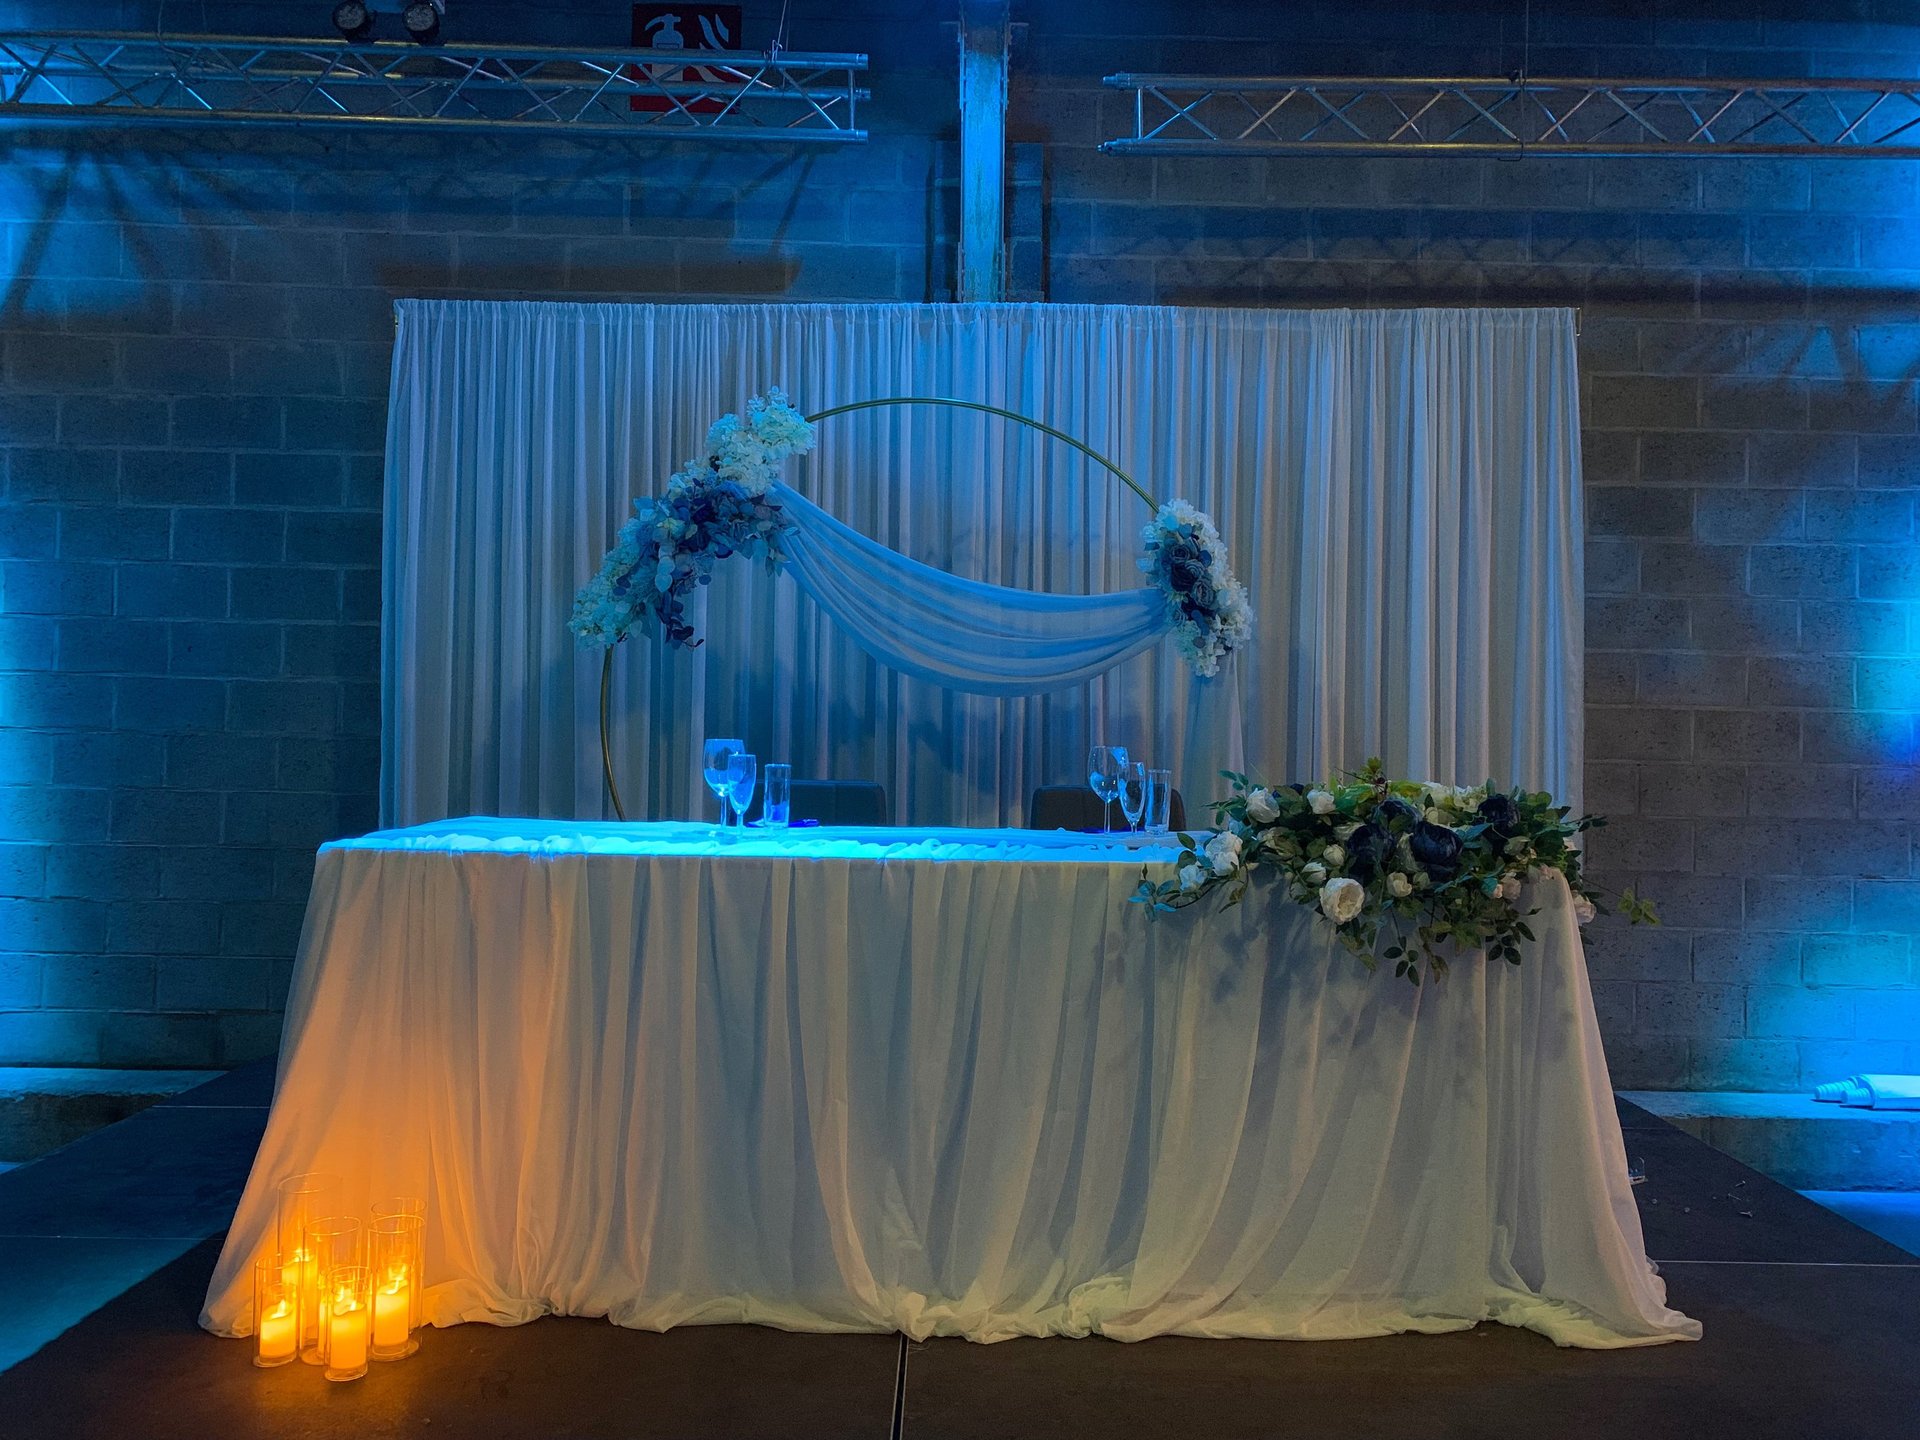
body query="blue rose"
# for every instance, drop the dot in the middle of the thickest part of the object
(1367, 849)
(1436, 849)
(1501, 815)
(1395, 811)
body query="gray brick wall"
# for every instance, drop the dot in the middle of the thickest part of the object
(194, 343)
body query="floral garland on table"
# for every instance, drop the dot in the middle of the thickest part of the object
(1438, 866)
(713, 508)
(717, 507)
(1187, 561)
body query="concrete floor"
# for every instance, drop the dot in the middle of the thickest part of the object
(1808, 1319)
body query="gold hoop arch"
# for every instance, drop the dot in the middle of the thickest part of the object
(606, 664)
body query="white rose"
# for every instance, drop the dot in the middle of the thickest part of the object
(1192, 877)
(1510, 888)
(1262, 809)
(1335, 856)
(1340, 900)
(1223, 852)
(1314, 873)
(1321, 801)
(1399, 886)
(1583, 908)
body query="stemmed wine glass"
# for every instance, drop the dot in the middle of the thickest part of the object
(1103, 775)
(1133, 792)
(713, 765)
(742, 771)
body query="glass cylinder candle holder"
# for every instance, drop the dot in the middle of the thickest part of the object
(393, 1207)
(349, 1326)
(393, 1256)
(331, 1242)
(276, 1313)
(300, 1200)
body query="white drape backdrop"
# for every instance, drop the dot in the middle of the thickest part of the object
(1399, 488)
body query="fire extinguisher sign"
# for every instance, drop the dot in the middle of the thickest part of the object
(686, 27)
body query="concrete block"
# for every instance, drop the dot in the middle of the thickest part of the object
(66, 475)
(103, 872)
(169, 706)
(1840, 627)
(223, 647)
(211, 983)
(1747, 957)
(1793, 1013)
(1697, 679)
(1639, 734)
(164, 927)
(1823, 682)
(1747, 735)
(250, 536)
(219, 762)
(1814, 571)
(1746, 626)
(333, 538)
(1876, 962)
(97, 982)
(1727, 516)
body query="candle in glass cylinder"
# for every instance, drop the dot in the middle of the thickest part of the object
(391, 1304)
(279, 1334)
(349, 1311)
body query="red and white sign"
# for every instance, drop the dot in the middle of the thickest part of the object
(685, 27)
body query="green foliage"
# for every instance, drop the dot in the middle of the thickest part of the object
(1436, 871)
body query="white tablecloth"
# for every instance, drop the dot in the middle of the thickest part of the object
(948, 1083)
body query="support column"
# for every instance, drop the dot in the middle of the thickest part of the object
(985, 37)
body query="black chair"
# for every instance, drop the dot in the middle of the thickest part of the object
(831, 802)
(1076, 807)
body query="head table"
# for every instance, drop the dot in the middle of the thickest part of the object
(946, 1082)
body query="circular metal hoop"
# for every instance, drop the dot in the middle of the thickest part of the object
(606, 664)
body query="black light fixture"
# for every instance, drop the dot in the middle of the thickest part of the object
(352, 19)
(422, 19)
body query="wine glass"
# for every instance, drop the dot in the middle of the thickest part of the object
(713, 764)
(1133, 792)
(1103, 775)
(742, 771)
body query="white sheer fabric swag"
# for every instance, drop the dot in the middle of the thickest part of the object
(960, 634)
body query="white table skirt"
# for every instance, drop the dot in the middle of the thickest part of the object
(946, 1083)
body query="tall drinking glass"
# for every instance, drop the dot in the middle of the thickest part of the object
(1103, 775)
(1160, 801)
(713, 765)
(742, 771)
(1133, 792)
(776, 803)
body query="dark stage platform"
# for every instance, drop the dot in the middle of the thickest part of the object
(1810, 1333)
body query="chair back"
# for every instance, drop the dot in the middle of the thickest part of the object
(1076, 807)
(832, 802)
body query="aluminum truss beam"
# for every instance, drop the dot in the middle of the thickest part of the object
(681, 94)
(1273, 115)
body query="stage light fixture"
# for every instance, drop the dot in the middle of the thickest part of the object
(352, 19)
(422, 19)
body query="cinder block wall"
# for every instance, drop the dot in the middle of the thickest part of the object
(196, 334)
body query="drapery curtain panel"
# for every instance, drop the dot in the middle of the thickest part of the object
(1400, 489)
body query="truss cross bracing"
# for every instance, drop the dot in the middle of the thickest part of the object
(1272, 115)
(694, 94)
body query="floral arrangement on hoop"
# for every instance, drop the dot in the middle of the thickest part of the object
(1187, 561)
(714, 508)
(1439, 867)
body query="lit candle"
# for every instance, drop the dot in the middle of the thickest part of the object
(391, 1303)
(297, 1274)
(279, 1333)
(346, 1334)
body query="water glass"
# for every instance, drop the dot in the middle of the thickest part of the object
(713, 765)
(1103, 775)
(1133, 792)
(742, 771)
(776, 802)
(1159, 801)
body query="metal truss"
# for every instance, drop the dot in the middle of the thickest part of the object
(1270, 115)
(681, 94)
